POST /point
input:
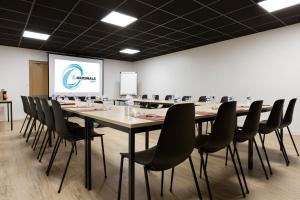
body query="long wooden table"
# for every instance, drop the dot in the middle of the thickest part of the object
(114, 117)
(9, 112)
(149, 101)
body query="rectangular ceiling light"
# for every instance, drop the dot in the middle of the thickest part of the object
(130, 51)
(118, 19)
(274, 5)
(35, 35)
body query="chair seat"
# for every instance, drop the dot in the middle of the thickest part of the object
(142, 157)
(263, 128)
(240, 136)
(284, 124)
(78, 132)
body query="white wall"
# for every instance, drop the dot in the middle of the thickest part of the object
(264, 66)
(14, 75)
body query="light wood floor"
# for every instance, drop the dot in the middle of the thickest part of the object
(22, 177)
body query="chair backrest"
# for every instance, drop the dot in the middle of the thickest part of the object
(223, 128)
(33, 110)
(156, 97)
(168, 97)
(177, 137)
(71, 98)
(251, 123)
(81, 98)
(144, 96)
(186, 98)
(40, 112)
(59, 120)
(202, 99)
(288, 116)
(49, 120)
(26, 106)
(275, 116)
(224, 99)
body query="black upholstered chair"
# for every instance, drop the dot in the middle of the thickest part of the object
(34, 115)
(175, 145)
(26, 109)
(154, 105)
(186, 98)
(71, 135)
(271, 125)
(202, 99)
(144, 105)
(220, 137)
(41, 118)
(224, 99)
(248, 133)
(167, 98)
(287, 120)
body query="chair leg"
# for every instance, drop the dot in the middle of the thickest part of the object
(36, 134)
(265, 152)
(56, 147)
(236, 171)
(226, 159)
(23, 123)
(194, 175)
(147, 183)
(103, 156)
(172, 177)
(75, 148)
(241, 167)
(204, 164)
(43, 146)
(162, 184)
(293, 140)
(120, 178)
(31, 129)
(260, 158)
(38, 138)
(27, 126)
(66, 169)
(282, 147)
(206, 177)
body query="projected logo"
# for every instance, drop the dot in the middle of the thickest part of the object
(69, 76)
(73, 76)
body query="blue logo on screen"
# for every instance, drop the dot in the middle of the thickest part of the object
(70, 74)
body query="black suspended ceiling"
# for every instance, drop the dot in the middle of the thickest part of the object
(163, 26)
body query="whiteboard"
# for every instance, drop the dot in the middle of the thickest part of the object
(128, 83)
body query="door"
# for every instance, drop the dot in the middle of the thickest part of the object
(38, 78)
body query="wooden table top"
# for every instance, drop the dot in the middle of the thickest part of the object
(116, 114)
(169, 102)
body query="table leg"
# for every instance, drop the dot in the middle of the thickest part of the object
(7, 112)
(114, 102)
(147, 140)
(11, 117)
(131, 167)
(200, 128)
(250, 154)
(88, 160)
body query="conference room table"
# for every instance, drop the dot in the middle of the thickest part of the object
(9, 112)
(139, 121)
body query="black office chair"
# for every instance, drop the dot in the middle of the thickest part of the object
(186, 98)
(288, 119)
(175, 145)
(220, 137)
(271, 125)
(154, 105)
(34, 116)
(49, 121)
(202, 99)
(144, 105)
(248, 133)
(224, 99)
(41, 118)
(168, 98)
(72, 135)
(26, 110)
(81, 98)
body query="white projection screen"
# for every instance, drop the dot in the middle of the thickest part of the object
(75, 76)
(128, 83)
